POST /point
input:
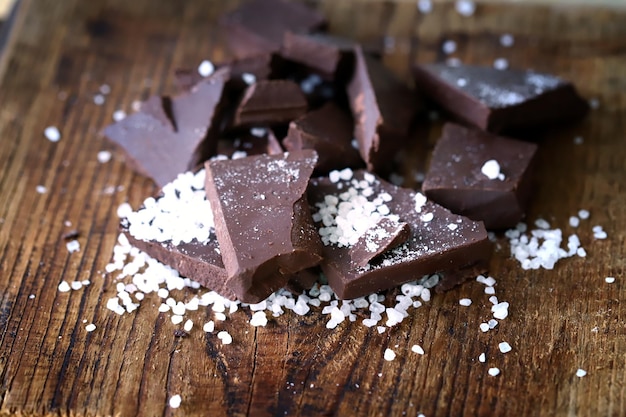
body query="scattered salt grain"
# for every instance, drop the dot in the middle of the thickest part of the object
(465, 7)
(594, 103)
(98, 99)
(461, 82)
(72, 246)
(490, 290)
(76, 285)
(225, 337)
(504, 347)
(598, 233)
(105, 89)
(494, 371)
(574, 221)
(484, 327)
(381, 329)
(124, 210)
(492, 323)
(581, 373)
(104, 157)
(209, 326)
(449, 47)
(389, 354)
(41, 189)
(507, 40)
(188, 325)
(258, 319)
(491, 169)
(119, 115)
(417, 349)
(465, 302)
(578, 140)
(609, 280)
(90, 327)
(220, 316)
(248, 78)
(581, 252)
(500, 63)
(206, 68)
(583, 214)
(425, 6)
(482, 358)
(64, 287)
(501, 310)
(175, 401)
(176, 319)
(52, 133)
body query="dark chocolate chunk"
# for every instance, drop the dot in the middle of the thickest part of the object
(500, 100)
(328, 131)
(270, 102)
(453, 246)
(262, 220)
(383, 108)
(258, 26)
(168, 137)
(303, 280)
(386, 234)
(325, 54)
(456, 181)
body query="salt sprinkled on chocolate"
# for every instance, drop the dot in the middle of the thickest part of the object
(491, 169)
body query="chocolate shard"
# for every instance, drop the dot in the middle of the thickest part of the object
(455, 178)
(162, 142)
(258, 26)
(500, 100)
(383, 108)
(441, 242)
(262, 220)
(270, 102)
(328, 131)
(330, 56)
(385, 235)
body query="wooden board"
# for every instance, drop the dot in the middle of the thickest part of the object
(559, 321)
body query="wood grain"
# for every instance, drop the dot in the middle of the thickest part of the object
(559, 321)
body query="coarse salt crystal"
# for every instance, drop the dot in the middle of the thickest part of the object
(507, 40)
(465, 7)
(52, 133)
(90, 327)
(583, 214)
(494, 371)
(119, 115)
(465, 302)
(248, 78)
(482, 358)
(258, 319)
(389, 355)
(188, 326)
(76, 285)
(491, 169)
(41, 189)
(501, 310)
(490, 290)
(504, 347)
(581, 373)
(574, 221)
(484, 327)
(124, 210)
(209, 326)
(206, 68)
(64, 286)
(578, 140)
(417, 349)
(104, 157)
(609, 280)
(98, 99)
(72, 246)
(225, 337)
(500, 63)
(425, 6)
(448, 47)
(175, 401)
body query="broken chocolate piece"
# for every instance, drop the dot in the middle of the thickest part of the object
(262, 220)
(269, 103)
(500, 100)
(383, 108)
(328, 131)
(456, 181)
(450, 245)
(386, 234)
(258, 26)
(162, 142)
(330, 56)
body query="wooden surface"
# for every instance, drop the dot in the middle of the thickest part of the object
(559, 320)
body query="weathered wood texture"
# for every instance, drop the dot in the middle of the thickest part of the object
(559, 320)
